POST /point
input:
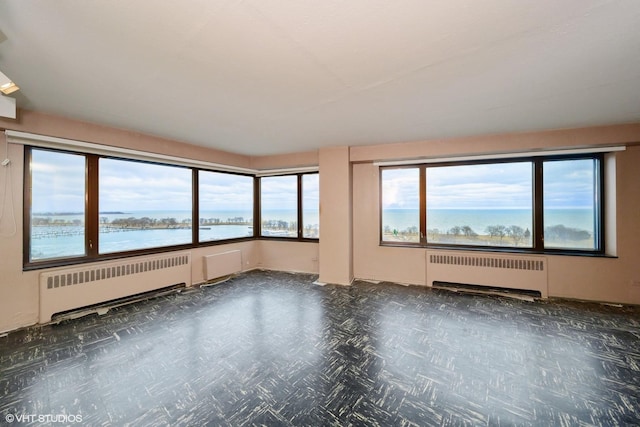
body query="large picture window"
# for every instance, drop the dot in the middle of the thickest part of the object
(571, 209)
(401, 205)
(311, 206)
(57, 214)
(226, 206)
(279, 206)
(484, 204)
(81, 207)
(143, 205)
(542, 204)
(290, 206)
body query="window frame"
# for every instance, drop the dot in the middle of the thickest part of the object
(422, 220)
(301, 207)
(598, 205)
(196, 208)
(537, 163)
(92, 216)
(300, 214)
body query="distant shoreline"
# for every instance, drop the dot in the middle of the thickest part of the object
(76, 213)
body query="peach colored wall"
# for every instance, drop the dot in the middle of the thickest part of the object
(307, 158)
(18, 289)
(601, 279)
(299, 257)
(336, 264)
(44, 124)
(370, 260)
(530, 141)
(250, 257)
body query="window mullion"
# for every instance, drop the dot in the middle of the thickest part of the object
(195, 209)
(538, 206)
(257, 210)
(26, 214)
(92, 228)
(600, 214)
(423, 205)
(299, 206)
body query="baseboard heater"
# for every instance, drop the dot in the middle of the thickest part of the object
(521, 294)
(104, 307)
(64, 290)
(489, 271)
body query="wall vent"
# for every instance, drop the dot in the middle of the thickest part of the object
(488, 261)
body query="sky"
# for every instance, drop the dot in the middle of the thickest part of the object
(127, 186)
(134, 186)
(567, 184)
(58, 175)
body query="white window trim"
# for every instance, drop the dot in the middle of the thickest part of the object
(43, 141)
(498, 156)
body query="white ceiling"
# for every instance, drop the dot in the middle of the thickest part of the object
(276, 76)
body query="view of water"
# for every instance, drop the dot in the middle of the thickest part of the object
(54, 241)
(61, 241)
(479, 220)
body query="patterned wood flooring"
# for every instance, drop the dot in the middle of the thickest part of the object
(270, 348)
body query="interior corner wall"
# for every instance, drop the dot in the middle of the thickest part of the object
(335, 250)
(370, 260)
(293, 257)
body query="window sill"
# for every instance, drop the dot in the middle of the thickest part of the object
(499, 250)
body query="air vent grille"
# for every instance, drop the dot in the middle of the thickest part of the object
(93, 274)
(488, 262)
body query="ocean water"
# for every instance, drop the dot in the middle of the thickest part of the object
(52, 241)
(66, 241)
(479, 220)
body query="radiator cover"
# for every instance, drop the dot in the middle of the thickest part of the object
(222, 264)
(512, 271)
(71, 288)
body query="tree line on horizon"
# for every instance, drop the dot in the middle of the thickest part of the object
(516, 233)
(141, 223)
(151, 223)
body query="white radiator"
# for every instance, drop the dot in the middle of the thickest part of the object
(223, 264)
(72, 288)
(512, 271)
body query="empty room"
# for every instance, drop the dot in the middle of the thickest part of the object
(299, 213)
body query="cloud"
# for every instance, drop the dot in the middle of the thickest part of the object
(400, 188)
(129, 186)
(58, 182)
(134, 186)
(487, 186)
(224, 192)
(569, 184)
(311, 191)
(279, 193)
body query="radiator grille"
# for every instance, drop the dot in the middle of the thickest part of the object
(489, 262)
(94, 274)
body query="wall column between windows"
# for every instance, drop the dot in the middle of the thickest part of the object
(335, 251)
